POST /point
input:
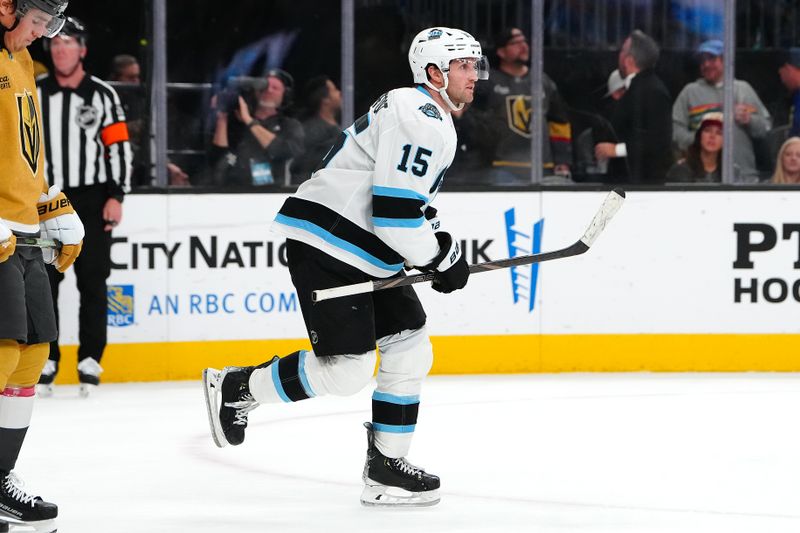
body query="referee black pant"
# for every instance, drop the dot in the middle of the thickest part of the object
(92, 269)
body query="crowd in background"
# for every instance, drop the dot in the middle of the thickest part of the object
(259, 127)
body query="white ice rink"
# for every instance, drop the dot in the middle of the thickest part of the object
(542, 453)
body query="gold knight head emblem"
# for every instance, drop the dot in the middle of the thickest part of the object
(518, 111)
(30, 139)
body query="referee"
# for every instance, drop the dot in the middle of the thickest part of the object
(88, 154)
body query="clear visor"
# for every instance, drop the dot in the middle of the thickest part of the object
(479, 64)
(54, 26)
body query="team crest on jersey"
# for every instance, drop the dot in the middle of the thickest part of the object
(434, 34)
(87, 117)
(518, 112)
(30, 138)
(429, 110)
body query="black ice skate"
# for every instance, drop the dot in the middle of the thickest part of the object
(89, 372)
(21, 509)
(228, 401)
(395, 482)
(45, 386)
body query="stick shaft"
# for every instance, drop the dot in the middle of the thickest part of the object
(32, 242)
(610, 206)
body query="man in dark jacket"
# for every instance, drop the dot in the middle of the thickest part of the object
(638, 147)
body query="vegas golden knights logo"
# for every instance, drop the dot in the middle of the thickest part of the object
(518, 111)
(30, 139)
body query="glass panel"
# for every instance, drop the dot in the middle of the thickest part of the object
(492, 149)
(256, 52)
(767, 57)
(124, 26)
(642, 127)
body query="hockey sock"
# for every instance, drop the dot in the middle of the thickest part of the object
(282, 381)
(16, 408)
(406, 359)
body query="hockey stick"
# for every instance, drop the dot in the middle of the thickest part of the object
(33, 242)
(610, 206)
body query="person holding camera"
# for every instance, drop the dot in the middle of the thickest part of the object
(257, 145)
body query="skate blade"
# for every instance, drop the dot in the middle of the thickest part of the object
(43, 391)
(86, 390)
(211, 383)
(44, 526)
(378, 495)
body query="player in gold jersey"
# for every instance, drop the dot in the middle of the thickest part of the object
(27, 209)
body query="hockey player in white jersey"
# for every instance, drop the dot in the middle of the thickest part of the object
(365, 214)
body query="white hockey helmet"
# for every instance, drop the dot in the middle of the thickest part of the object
(439, 46)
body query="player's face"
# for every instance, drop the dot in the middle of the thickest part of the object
(67, 53)
(462, 78)
(31, 27)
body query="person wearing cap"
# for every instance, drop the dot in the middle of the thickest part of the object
(705, 95)
(703, 162)
(502, 115)
(254, 146)
(790, 77)
(637, 143)
(89, 156)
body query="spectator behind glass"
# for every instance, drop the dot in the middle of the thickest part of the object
(787, 167)
(125, 69)
(790, 77)
(703, 163)
(256, 145)
(638, 149)
(705, 95)
(501, 116)
(321, 128)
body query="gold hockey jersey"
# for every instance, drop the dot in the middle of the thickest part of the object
(21, 151)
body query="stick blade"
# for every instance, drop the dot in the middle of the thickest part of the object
(608, 209)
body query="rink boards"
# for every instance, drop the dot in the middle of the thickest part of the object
(679, 280)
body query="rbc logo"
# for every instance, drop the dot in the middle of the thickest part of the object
(120, 305)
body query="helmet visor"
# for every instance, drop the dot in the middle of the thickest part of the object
(54, 26)
(480, 64)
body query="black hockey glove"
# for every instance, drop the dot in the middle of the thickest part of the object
(450, 267)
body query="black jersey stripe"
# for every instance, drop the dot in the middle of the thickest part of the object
(340, 227)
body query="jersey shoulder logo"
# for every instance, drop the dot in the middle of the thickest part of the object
(5, 82)
(380, 103)
(429, 110)
(30, 135)
(87, 117)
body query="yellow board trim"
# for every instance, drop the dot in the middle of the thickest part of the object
(490, 354)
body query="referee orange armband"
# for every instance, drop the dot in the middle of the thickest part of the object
(114, 133)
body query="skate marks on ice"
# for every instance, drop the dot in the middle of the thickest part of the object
(599, 453)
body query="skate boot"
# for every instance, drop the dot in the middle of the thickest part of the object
(18, 508)
(89, 372)
(395, 482)
(45, 386)
(229, 401)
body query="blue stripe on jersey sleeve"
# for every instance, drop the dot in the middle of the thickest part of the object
(336, 241)
(394, 192)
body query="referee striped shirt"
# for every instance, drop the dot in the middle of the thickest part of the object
(86, 137)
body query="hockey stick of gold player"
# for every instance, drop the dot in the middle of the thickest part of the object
(32, 242)
(610, 206)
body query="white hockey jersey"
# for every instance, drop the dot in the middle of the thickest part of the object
(366, 205)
